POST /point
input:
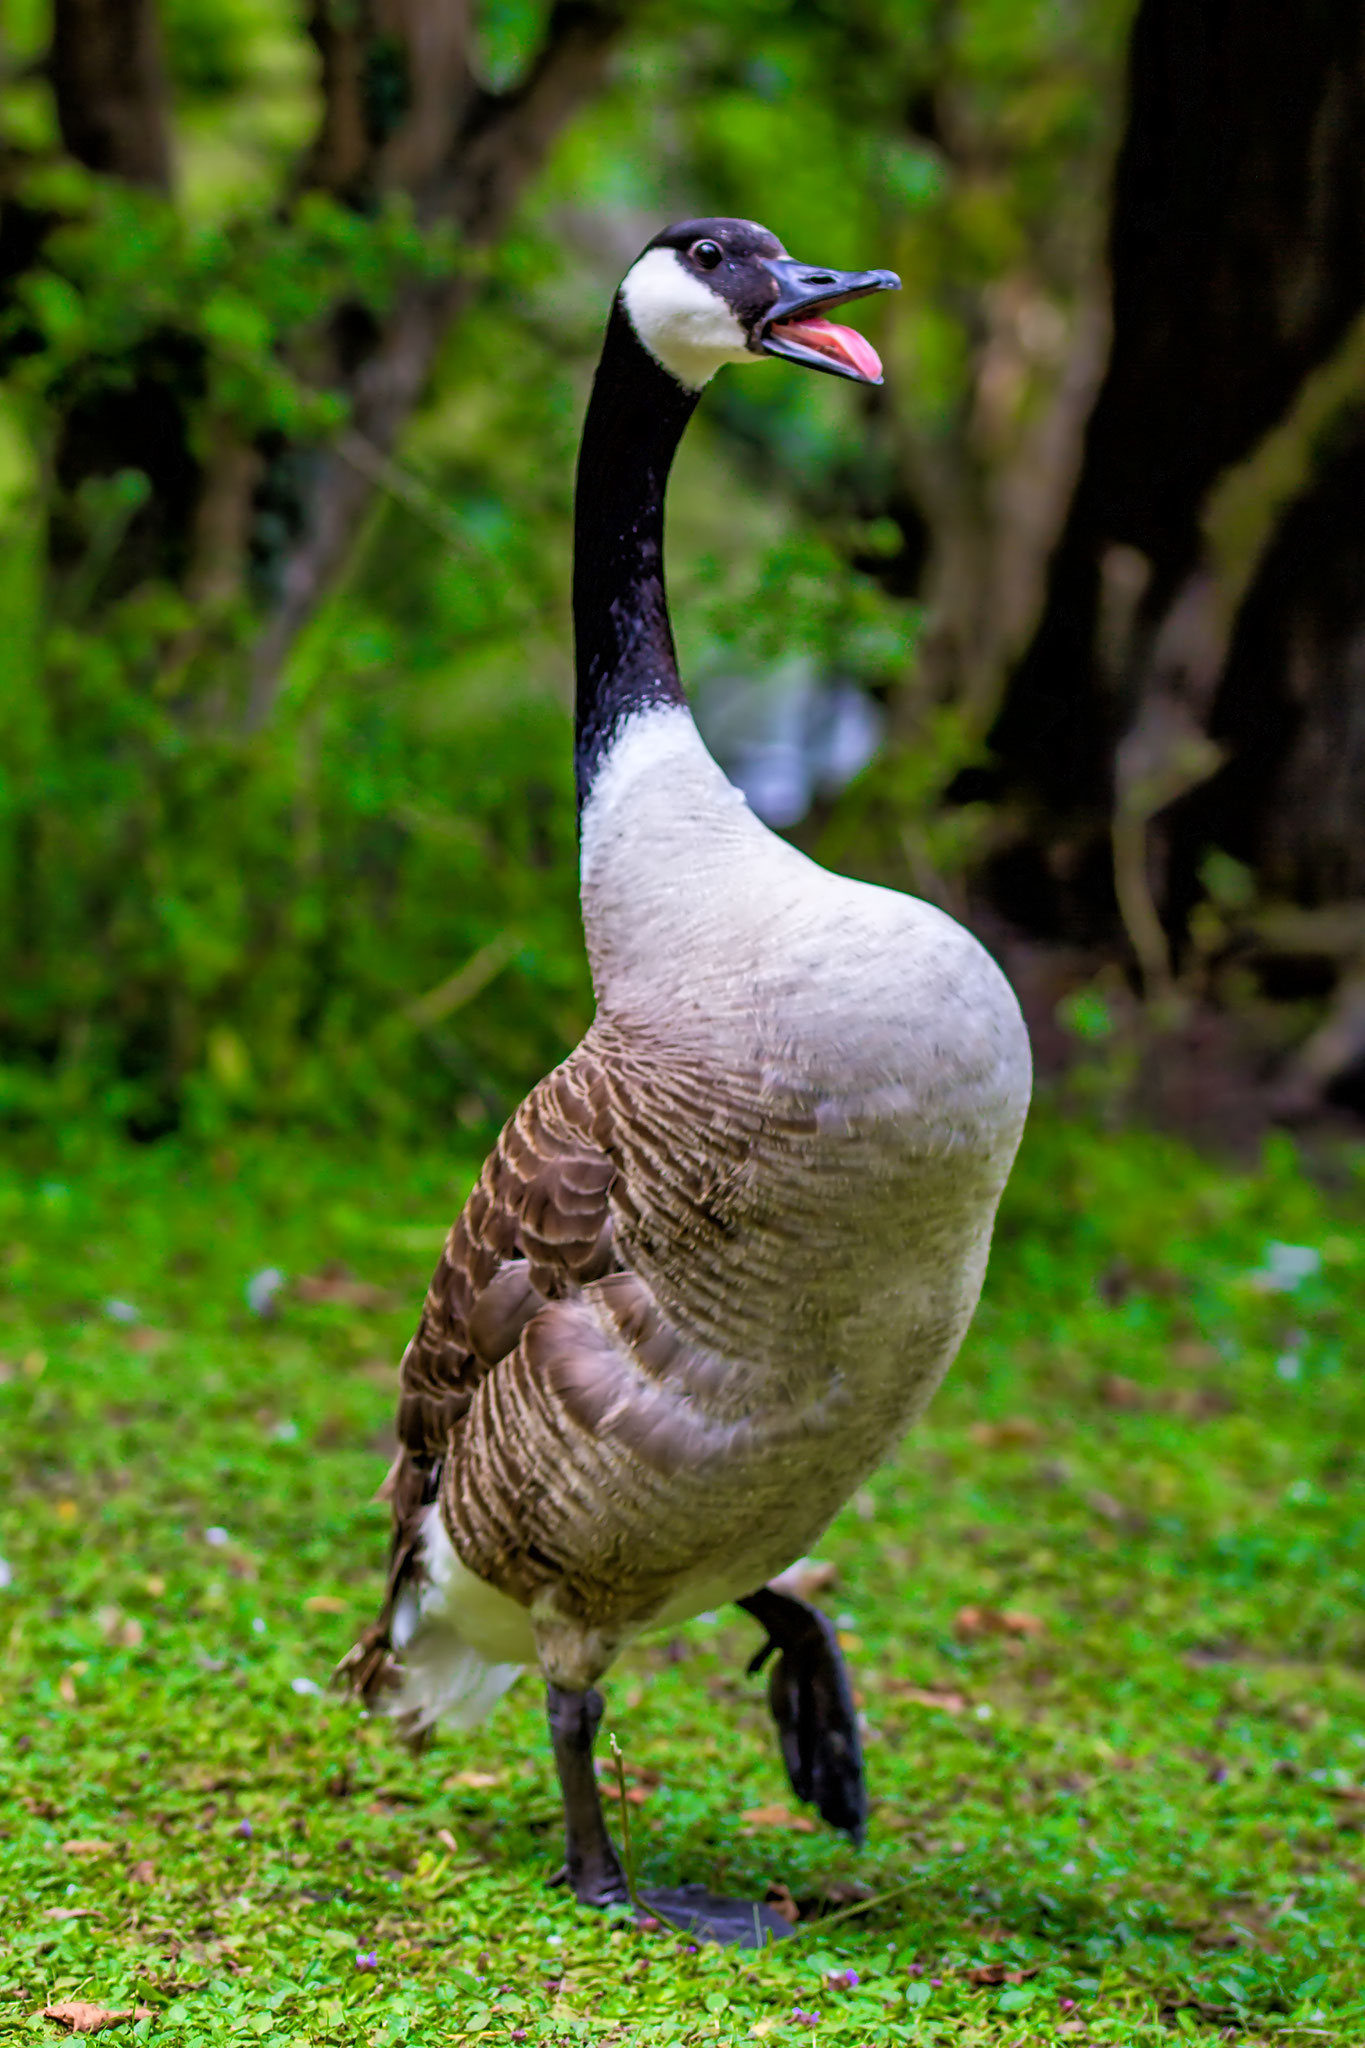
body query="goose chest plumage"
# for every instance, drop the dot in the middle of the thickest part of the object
(721, 1258)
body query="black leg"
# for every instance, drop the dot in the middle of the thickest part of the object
(591, 1865)
(812, 1705)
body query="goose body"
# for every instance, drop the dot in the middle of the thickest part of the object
(721, 1258)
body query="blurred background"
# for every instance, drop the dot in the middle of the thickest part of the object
(1062, 628)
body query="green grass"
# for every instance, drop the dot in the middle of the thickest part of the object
(1144, 1798)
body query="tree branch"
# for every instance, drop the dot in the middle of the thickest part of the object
(501, 144)
(508, 135)
(396, 87)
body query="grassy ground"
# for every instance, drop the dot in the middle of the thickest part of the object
(1105, 1611)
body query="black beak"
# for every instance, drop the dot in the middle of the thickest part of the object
(803, 296)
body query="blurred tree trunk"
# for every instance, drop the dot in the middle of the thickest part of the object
(109, 83)
(1194, 680)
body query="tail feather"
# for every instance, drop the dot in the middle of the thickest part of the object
(413, 1661)
(443, 1678)
(370, 1671)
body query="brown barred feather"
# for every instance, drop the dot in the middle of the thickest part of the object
(535, 1227)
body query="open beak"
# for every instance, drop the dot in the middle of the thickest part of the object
(795, 326)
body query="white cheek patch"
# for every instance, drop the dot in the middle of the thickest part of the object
(684, 324)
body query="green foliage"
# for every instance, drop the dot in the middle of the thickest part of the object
(200, 922)
(1143, 1800)
(244, 295)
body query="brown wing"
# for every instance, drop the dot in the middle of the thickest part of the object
(536, 1227)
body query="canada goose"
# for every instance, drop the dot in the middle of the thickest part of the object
(721, 1258)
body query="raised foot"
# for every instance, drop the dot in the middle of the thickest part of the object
(812, 1704)
(741, 1923)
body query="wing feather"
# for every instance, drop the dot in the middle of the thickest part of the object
(536, 1227)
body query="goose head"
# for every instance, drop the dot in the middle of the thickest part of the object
(708, 292)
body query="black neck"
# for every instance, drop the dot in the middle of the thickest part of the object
(623, 642)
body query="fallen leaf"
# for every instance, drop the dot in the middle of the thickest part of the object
(336, 1283)
(997, 1973)
(775, 1817)
(1117, 1392)
(143, 1339)
(930, 1696)
(143, 1872)
(66, 1686)
(447, 1840)
(83, 1846)
(996, 1621)
(1197, 1404)
(1354, 1795)
(70, 1912)
(119, 1628)
(783, 1904)
(1015, 1429)
(79, 2016)
(1193, 1356)
(326, 1603)
(471, 1781)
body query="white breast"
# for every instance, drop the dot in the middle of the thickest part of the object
(858, 997)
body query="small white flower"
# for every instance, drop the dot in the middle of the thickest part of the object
(306, 1688)
(1288, 1366)
(6, 1574)
(261, 1290)
(122, 1312)
(1286, 1266)
(257, 1626)
(286, 1432)
(217, 1537)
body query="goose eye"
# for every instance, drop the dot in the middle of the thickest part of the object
(707, 254)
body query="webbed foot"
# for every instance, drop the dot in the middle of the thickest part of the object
(741, 1923)
(812, 1704)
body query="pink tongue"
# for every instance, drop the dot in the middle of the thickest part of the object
(844, 344)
